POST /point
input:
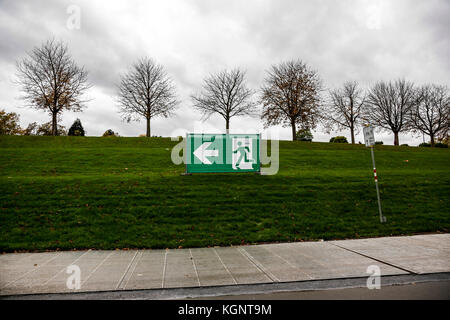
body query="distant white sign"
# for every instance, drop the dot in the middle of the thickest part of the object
(369, 137)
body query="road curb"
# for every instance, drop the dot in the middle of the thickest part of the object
(216, 291)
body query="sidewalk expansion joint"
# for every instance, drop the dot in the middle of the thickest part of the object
(119, 284)
(32, 270)
(258, 265)
(195, 267)
(164, 268)
(375, 259)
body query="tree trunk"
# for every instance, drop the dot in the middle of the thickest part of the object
(227, 125)
(148, 127)
(432, 139)
(395, 138)
(352, 132)
(54, 124)
(294, 131)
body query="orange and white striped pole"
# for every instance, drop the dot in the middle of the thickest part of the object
(382, 218)
(370, 141)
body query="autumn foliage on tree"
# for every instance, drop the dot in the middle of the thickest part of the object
(109, 133)
(9, 123)
(52, 81)
(46, 129)
(291, 96)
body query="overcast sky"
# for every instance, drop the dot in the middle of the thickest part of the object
(357, 40)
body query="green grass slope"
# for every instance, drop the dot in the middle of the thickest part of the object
(105, 193)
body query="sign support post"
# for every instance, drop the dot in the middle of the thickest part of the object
(382, 218)
(370, 141)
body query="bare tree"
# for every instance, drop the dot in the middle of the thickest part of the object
(389, 105)
(52, 81)
(344, 108)
(146, 91)
(226, 94)
(431, 113)
(291, 96)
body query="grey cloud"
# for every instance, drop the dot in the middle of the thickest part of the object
(194, 38)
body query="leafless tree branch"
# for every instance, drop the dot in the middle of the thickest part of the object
(430, 115)
(146, 91)
(225, 94)
(389, 104)
(51, 80)
(344, 108)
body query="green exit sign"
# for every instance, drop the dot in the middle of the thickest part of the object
(222, 153)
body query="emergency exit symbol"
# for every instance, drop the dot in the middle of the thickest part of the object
(202, 153)
(208, 153)
(242, 151)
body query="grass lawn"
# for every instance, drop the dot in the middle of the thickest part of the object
(106, 193)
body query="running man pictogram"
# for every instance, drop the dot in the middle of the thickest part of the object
(243, 153)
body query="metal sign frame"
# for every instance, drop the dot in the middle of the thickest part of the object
(369, 137)
(199, 158)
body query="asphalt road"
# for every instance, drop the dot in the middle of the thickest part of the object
(436, 290)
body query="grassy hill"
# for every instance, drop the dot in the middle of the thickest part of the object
(105, 193)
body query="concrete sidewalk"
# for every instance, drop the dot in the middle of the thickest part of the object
(31, 273)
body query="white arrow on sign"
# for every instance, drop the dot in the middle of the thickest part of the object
(201, 153)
